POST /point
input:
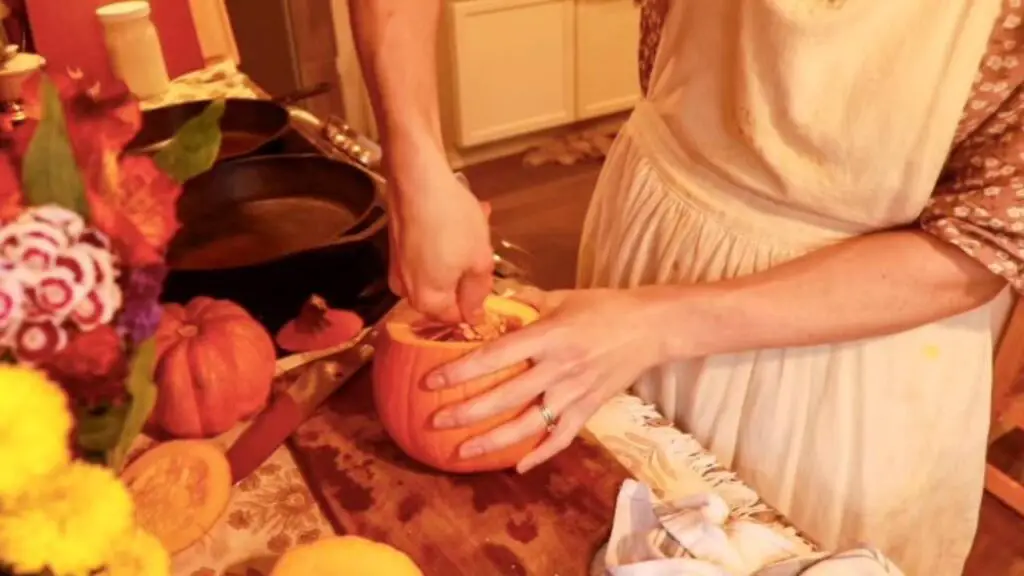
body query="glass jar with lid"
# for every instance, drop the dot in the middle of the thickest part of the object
(134, 47)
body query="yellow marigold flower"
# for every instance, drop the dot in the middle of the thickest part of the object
(138, 553)
(19, 547)
(34, 427)
(70, 521)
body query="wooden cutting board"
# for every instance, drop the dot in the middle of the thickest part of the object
(548, 522)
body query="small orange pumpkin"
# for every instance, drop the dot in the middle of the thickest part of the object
(408, 349)
(214, 368)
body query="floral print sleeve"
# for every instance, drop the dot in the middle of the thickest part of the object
(652, 18)
(978, 204)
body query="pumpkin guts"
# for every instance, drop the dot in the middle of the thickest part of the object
(494, 326)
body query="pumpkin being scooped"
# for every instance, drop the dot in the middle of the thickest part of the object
(318, 327)
(409, 348)
(214, 367)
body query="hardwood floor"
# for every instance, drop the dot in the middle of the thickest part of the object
(541, 209)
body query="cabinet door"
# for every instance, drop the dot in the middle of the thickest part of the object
(512, 67)
(607, 35)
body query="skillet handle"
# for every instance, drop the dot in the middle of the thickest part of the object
(347, 141)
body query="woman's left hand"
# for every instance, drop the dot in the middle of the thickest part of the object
(587, 346)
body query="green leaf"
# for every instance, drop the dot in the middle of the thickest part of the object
(143, 391)
(99, 430)
(49, 173)
(194, 149)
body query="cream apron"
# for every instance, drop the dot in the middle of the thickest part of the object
(773, 128)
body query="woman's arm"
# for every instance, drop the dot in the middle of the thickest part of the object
(869, 286)
(968, 244)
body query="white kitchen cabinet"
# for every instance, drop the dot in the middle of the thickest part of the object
(512, 67)
(516, 67)
(607, 36)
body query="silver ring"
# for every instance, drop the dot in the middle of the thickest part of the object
(549, 418)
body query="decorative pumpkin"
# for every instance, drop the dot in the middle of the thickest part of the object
(345, 556)
(180, 490)
(409, 348)
(318, 327)
(214, 368)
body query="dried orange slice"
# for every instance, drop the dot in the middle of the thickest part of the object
(180, 489)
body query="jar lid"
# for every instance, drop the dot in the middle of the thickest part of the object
(123, 11)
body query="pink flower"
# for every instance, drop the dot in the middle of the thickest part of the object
(59, 276)
(54, 294)
(38, 341)
(33, 253)
(12, 298)
(98, 307)
(56, 218)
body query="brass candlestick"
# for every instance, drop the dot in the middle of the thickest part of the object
(15, 67)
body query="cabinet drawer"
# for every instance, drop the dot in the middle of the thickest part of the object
(607, 36)
(513, 67)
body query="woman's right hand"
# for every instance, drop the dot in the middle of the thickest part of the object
(441, 256)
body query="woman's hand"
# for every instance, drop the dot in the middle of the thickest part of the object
(441, 255)
(588, 346)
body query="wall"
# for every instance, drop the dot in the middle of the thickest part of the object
(286, 45)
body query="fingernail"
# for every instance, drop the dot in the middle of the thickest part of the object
(443, 420)
(470, 451)
(435, 380)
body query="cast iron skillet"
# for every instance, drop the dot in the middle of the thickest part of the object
(268, 231)
(247, 125)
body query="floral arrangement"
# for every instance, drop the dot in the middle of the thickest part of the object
(61, 517)
(84, 229)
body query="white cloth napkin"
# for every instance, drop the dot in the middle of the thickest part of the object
(694, 536)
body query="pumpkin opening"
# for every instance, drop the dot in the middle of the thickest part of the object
(493, 326)
(501, 316)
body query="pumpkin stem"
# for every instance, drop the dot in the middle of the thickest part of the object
(314, 312)
(188, 331)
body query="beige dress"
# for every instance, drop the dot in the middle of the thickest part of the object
(773, 128)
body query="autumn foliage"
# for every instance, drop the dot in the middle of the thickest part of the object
(128, 197)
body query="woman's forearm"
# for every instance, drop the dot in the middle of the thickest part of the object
(869, 286)
(397, 43)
